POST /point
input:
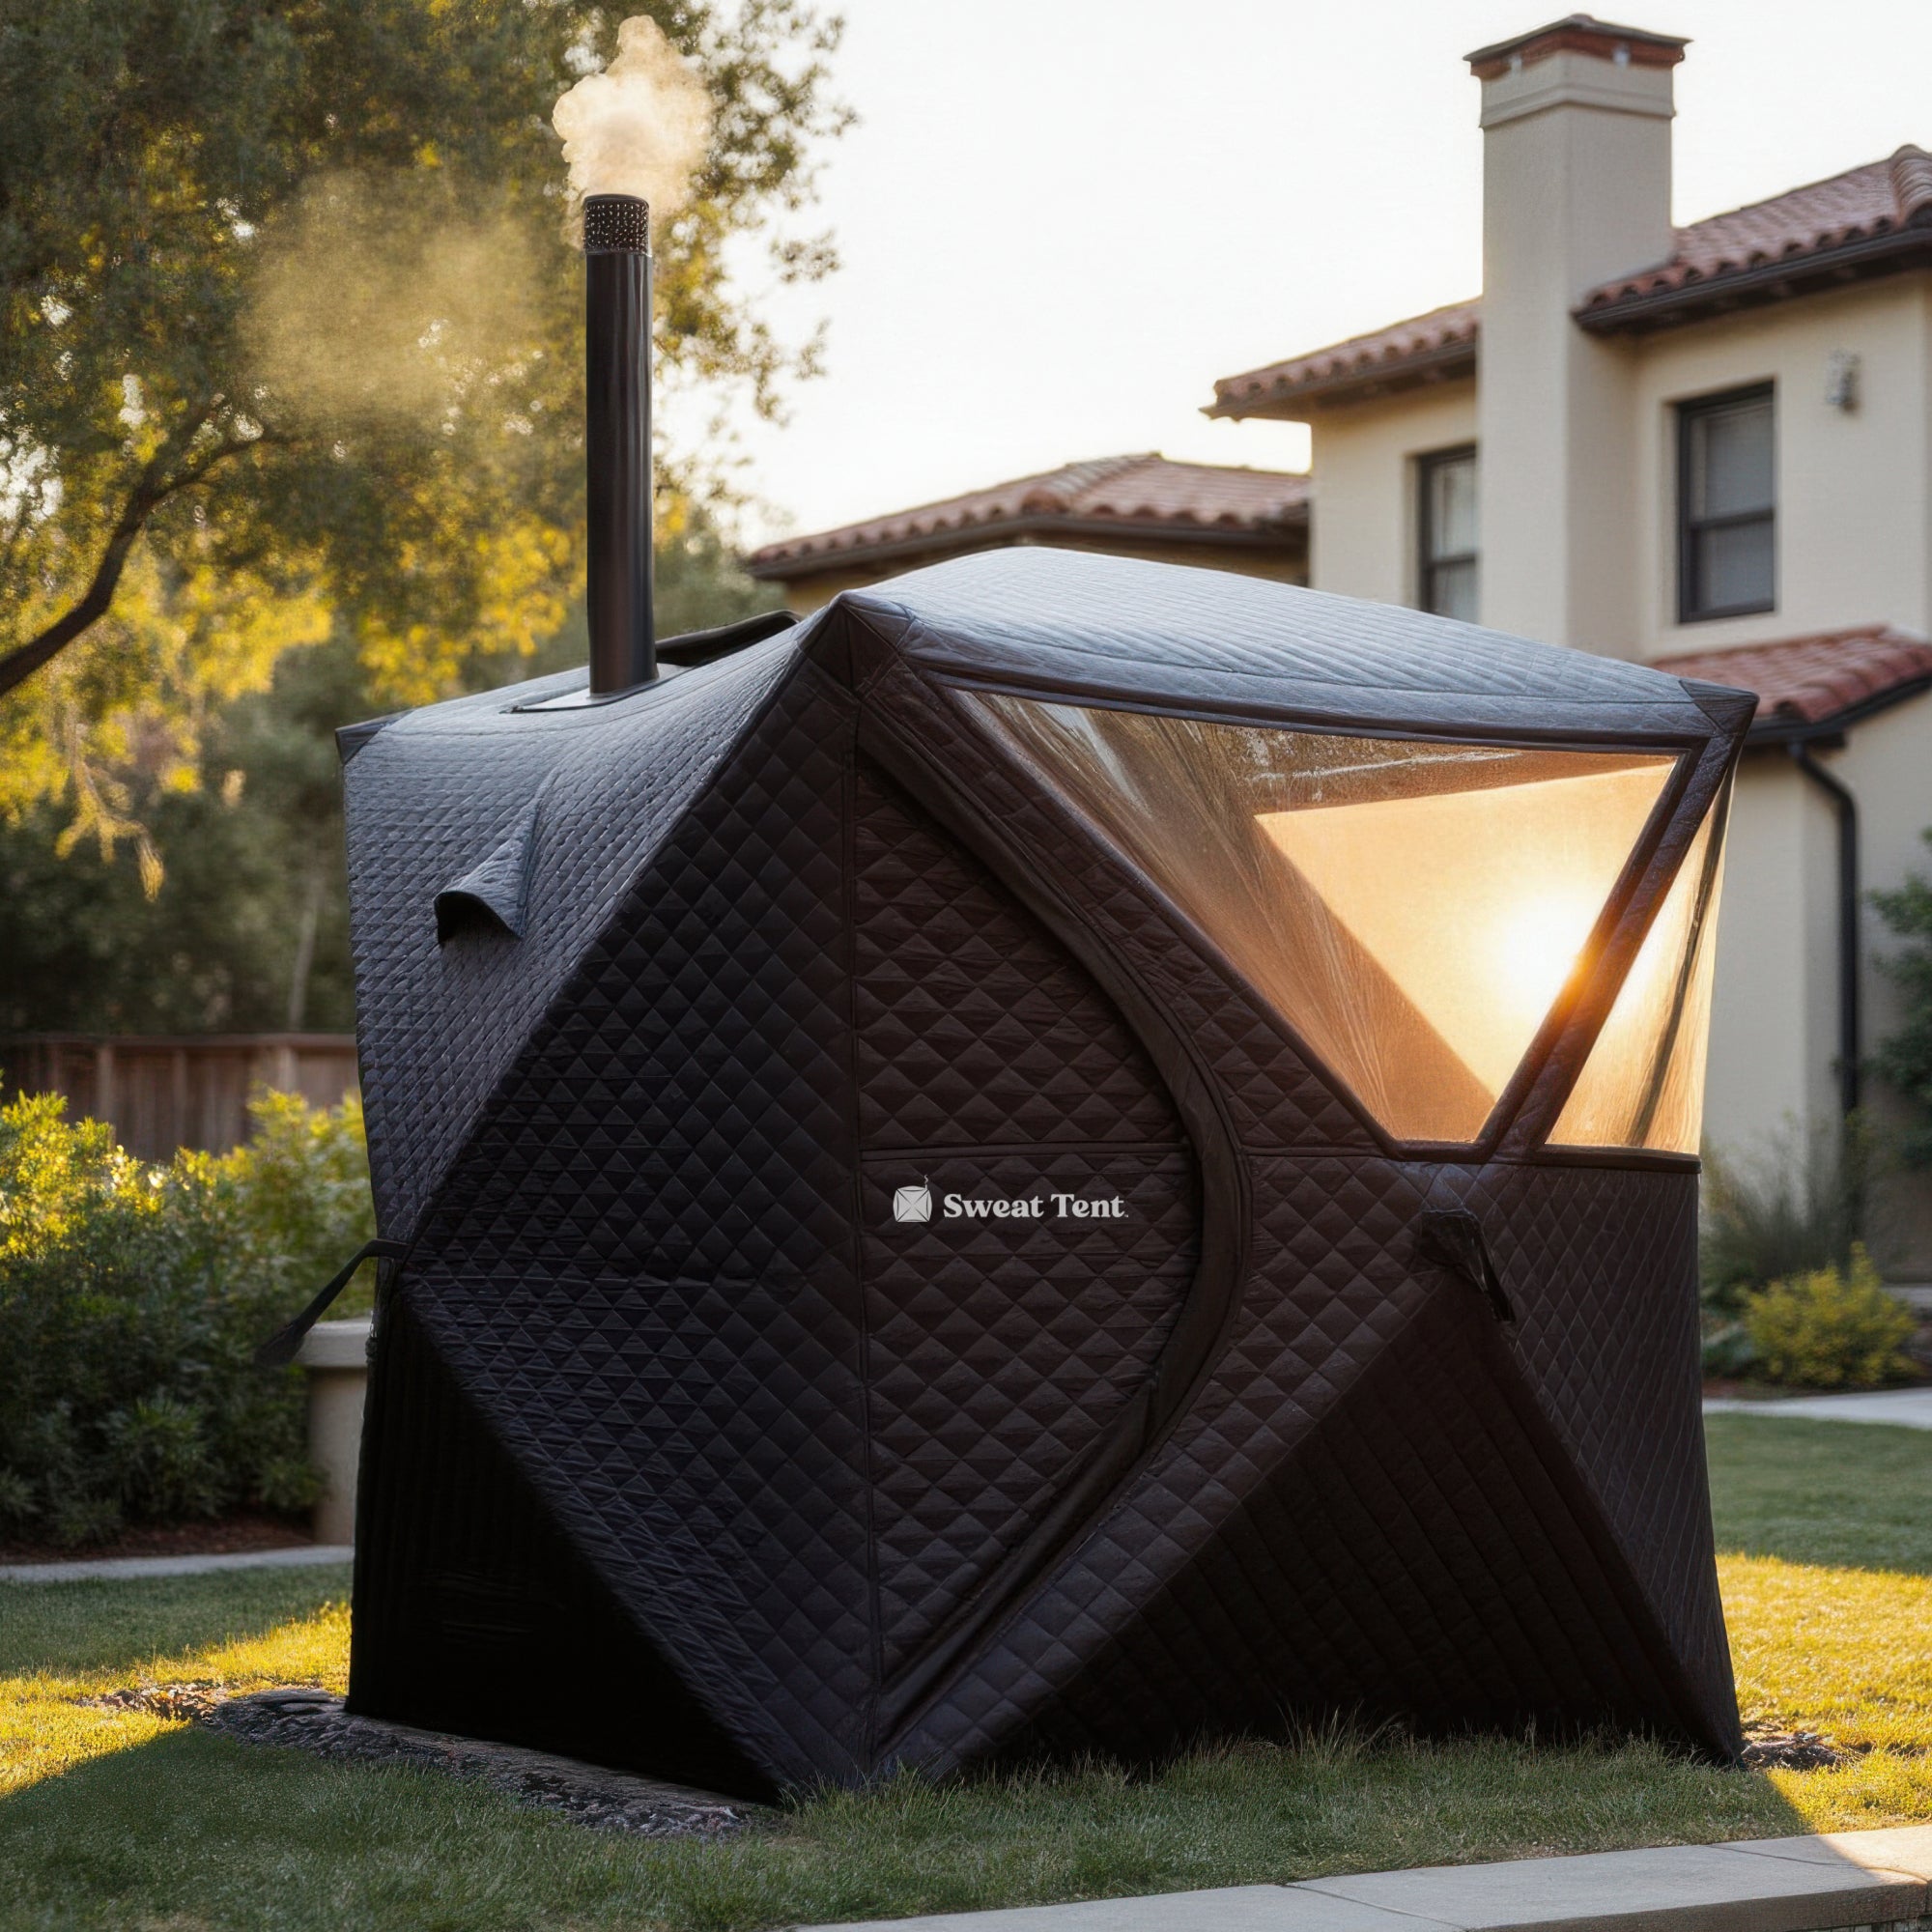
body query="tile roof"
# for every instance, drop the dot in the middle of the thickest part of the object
(1885, 205)
(1407, 353)
(1870, 219)
(1812, 680)
(1144, 495)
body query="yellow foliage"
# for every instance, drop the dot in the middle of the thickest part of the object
(527, 572)
(333, 379)
(1830, 1329)
(124, 711)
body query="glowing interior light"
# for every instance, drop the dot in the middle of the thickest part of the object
(1411, 908)
(1643, 1084)
(1476, 903)
(1536, 947)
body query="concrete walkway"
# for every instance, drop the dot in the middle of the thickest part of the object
(1765, 1885)
(112, 1567)
(1903, 1409)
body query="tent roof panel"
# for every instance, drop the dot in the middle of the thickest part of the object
(1116, 627)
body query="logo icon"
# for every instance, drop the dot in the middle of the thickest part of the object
(913, 1204)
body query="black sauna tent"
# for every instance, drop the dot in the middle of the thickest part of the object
(1323, 990)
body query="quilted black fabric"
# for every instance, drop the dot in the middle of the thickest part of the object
(848, 1490)
(464, 1578)
(436, 794)
(990, 1064)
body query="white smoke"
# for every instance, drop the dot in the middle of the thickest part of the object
(639, 127)
(389, 299)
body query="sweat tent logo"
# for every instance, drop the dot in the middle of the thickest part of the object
(915, 1204)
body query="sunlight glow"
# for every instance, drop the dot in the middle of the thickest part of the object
(1476, 903)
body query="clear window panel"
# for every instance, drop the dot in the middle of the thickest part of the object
(1644, 1083)
(1733, 464)
(1452, 507)
(1453, 591)
(1413, 909)
(1737, 566)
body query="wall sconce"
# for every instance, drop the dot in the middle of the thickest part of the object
(1841, 381)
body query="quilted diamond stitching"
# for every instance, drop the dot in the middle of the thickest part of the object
(426, 798)
(999, 1351)
(974, 1025)
(1601, 1265)
(1276, 1096)
(644, 1264)
(1077, 621)
(1399, 1564)
(1333, 1286)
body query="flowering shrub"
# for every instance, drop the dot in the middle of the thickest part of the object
(132, 1299)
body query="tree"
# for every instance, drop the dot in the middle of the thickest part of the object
(1905, 1059)
(288, 347)
(249, 930)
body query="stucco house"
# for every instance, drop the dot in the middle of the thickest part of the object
(1706, 448)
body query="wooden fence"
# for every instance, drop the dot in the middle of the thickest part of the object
(159, 1094)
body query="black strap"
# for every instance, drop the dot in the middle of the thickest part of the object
(1452, 1237)
(280, 1347)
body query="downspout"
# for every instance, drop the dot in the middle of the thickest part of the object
(1799, 737)
(1846, 807)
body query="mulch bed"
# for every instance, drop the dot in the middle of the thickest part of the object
(1734, 1389)
(306, 1718)
(1767, 1747)
(224, 1536)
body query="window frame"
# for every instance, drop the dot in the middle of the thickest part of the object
(1690, 528)
(1428, 564)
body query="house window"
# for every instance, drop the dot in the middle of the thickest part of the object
(1446, 526)
(1726, 506)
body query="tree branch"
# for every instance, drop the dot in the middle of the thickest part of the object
(152, 489)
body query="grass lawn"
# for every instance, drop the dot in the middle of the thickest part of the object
(110, 1819)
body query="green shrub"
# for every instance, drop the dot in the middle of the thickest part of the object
(1800, 1202)
(1830, 1328)
(300, 1195)
(1727, 1346)
(131, 1299)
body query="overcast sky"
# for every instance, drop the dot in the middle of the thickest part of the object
(1061, 219)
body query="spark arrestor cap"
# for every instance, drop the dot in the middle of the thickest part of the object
(616, 223)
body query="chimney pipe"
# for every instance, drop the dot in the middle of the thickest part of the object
(618, 441)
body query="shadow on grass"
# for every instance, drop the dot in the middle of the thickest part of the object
(196, 1830)
(200, 1830)
(1852, 1494)
(87, 1628)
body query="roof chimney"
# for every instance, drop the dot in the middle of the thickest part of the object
(1576, 190)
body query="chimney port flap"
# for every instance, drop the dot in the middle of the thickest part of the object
(490, 897)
